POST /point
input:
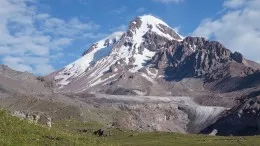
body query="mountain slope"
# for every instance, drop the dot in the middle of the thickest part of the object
(12, 82)
(95, 53)
(150, 58)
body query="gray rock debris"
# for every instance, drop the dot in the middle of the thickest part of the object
(36, 118)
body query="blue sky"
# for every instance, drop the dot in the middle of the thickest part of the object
(41, 36)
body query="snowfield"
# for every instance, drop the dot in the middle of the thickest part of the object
(101, 49)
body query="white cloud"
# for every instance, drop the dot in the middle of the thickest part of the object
(43, 69)
(17, 63)
(168, 1)
(238, 28)
(38, 65)
(234, 3)
(71, 27)
(30, 38)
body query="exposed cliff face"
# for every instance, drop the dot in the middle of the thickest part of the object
(197, 57)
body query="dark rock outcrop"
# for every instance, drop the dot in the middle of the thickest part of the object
(242, 120)
(196, 57)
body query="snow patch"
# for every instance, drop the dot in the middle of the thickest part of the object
(147, 77)
(151, 20)
(153, 75)
(99, 81)
(141, 59)
(101, 49)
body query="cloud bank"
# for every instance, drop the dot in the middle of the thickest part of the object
(238, 28)
(30, 39)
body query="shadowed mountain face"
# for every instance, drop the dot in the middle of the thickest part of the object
(237, 83)
(218, 67)
(200, 58)
(197, 58)
(242, 120)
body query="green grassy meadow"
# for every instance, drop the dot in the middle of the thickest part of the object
(16, 132)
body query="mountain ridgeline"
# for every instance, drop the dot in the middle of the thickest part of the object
(147, 78)
(151, 51)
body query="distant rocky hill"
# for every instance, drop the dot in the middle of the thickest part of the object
(12, 82)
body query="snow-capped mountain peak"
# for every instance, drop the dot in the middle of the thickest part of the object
(149, 23)
(131, 49)
(146, 34)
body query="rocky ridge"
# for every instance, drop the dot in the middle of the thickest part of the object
(152, 56)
